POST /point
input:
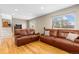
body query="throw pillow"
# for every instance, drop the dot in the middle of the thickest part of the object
(47, 33)
(72, 36)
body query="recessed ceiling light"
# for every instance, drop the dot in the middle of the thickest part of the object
(15, 9)
(42, 8)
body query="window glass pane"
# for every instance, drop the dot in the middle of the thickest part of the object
(65, 21)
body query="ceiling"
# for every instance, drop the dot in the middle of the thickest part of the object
(29, 11)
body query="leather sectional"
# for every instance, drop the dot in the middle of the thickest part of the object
(58, 39)
(25, 36)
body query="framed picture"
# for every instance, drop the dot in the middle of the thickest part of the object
(6, 23)
(64, 21)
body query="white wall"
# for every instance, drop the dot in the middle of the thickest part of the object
(40, 23)
(5, 31)
(20, 21)
(46, 20)
(0, 25)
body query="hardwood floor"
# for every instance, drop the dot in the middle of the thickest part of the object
(8, 47)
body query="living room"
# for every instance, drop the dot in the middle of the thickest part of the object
(52, 29)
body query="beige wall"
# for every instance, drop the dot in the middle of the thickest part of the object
(46, 21)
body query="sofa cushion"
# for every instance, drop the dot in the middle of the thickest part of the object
(64, 44)
(53, 33)
(17, 36)
(47, 39)
(31, 31)
(17, 31)
(62, 34)
(23, 32)
(76, 48)
(27, 37)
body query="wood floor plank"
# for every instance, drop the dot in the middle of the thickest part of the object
(8, 47)
(48, 48)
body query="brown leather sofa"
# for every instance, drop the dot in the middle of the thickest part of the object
(24, 36)
(58, 39)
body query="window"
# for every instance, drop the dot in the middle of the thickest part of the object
(64, 21)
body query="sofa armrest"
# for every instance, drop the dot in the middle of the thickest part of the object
(17, 36)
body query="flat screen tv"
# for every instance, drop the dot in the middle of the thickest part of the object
(18, 26)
